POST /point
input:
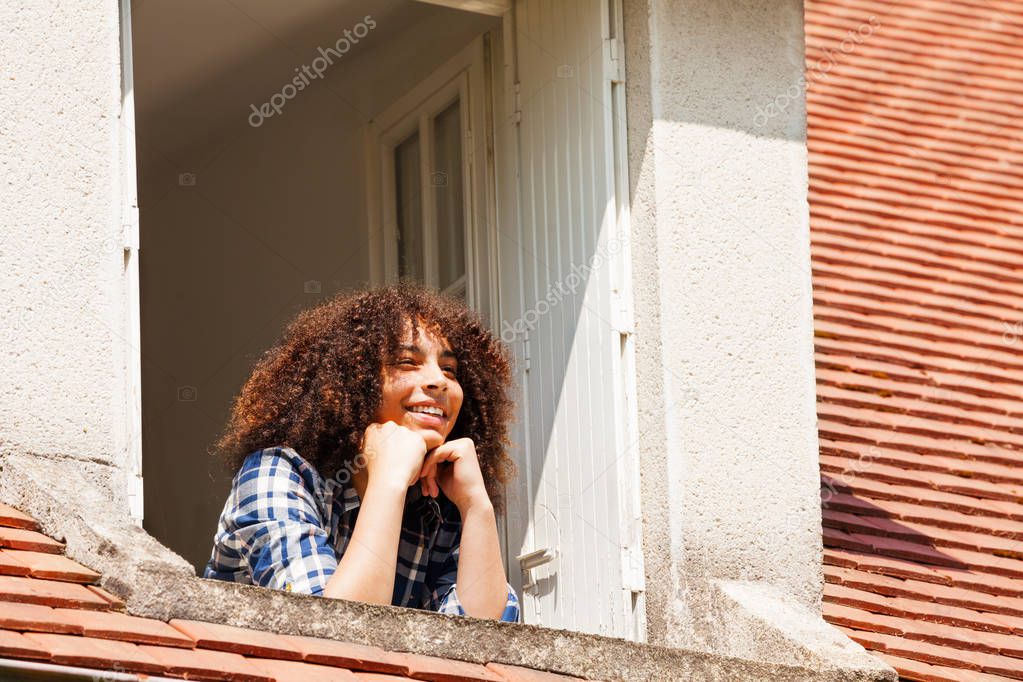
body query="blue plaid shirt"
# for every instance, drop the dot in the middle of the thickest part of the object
(285, 527)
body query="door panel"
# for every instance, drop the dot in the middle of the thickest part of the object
(560, 304)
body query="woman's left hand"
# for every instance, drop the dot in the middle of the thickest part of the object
(461, 480)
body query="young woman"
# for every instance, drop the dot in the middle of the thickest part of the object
(369, 448)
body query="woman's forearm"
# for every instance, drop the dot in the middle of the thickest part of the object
(366, 571)
(481, 582)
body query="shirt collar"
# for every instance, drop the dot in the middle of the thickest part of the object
(425, 507)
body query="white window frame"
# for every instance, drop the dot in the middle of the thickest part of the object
(461, 78)
(129, 213)
(468, 74)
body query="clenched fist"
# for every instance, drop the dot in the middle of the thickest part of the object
(393, 453)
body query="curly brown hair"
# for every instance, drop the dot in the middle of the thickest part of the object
(319, 387)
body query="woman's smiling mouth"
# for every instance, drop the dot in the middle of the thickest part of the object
(426, 409)
(427, 415)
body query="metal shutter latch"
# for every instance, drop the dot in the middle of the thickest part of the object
(532, 560)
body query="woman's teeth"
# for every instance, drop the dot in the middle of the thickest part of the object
(435, 411)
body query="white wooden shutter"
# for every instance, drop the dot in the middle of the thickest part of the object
(565, 308)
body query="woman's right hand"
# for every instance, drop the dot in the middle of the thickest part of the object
(393, 454)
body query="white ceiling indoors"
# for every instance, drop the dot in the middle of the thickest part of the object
(200, 64)
(187, 43)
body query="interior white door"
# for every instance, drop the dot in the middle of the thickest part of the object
(565, 308)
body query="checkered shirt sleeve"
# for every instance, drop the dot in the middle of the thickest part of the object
(444, 595)
(272, 532)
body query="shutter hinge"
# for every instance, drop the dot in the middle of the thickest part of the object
(131, 229)
(135, 499)
(622, 315)
(517, 113)
(525, 352)
(633, 572)
(614, 59)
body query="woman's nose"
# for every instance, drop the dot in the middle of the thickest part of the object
(434, 376)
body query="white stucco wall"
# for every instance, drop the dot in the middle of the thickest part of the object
(63, 359)
(724, 318)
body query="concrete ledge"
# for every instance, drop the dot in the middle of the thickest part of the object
(157, 583)
(757, 621)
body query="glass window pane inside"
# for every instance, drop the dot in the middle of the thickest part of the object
(409, 208)
(446, 180)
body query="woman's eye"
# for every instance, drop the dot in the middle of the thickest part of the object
(406, 361)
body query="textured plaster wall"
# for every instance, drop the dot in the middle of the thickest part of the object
(63, 359)
(724, 319)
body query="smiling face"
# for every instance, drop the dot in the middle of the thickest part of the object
(420, 389)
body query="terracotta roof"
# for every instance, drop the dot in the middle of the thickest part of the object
(52, 611)
(916, 201)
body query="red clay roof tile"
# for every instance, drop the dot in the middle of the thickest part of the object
(350, 655)
(445, 670)
(935, 611)
(915, 202)
(49, 593)
(1006, 666)
(114, 602)
(12, 518)
(121, 626)
(966, 579)
(17, 645)
(9, 564)
(53, 566)
(206, 664)
(923, 591)
(297, 671)
(924, 630)
(514, 673)
(946, 541)
(37, 618)
(33, 541)
(96, 653)
(925, 672)
(862, 620)
(237, 640)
